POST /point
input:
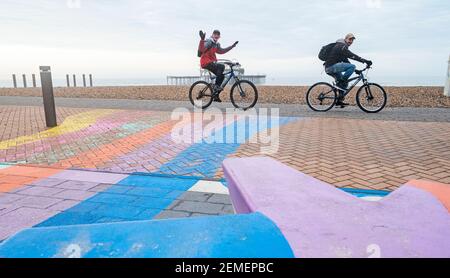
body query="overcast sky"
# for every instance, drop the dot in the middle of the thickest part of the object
(408, 40)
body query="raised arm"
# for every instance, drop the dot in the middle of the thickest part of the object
(350, 55)
(221, 50)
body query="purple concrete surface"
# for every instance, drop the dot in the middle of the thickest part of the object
(78, 185)
(320, 220)
(96, 177)
(47, 182)
(76, 195)
(22, 218)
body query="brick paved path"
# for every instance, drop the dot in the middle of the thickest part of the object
(41, 186)
(379, 155)
(344, 152)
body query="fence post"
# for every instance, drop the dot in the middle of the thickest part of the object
(447, 83)
(47, 94)
(24, 77)
(14, 81)
(74, 80)
(33, 77)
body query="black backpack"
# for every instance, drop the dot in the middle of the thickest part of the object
(326, 51)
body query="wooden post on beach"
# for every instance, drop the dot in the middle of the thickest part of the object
(14, 81)
(84, 80)
(90, 80)
(447, 84)
(47, 94)
(74, 80)
(33, 78)
(24, 77)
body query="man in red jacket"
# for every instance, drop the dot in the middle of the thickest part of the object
(208, 60)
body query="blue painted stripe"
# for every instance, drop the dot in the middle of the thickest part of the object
(136, 197)
(366, 192)
(231, 236)
(204, 159)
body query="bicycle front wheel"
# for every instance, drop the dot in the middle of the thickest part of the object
(321, 97)
(200, 94)
(371, 98)
(244, 95)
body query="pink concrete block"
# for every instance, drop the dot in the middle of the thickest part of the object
(319, 220)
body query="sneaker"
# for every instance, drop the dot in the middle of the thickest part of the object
(217, 99)
(342, 104)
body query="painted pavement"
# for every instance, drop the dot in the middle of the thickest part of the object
(107, 167)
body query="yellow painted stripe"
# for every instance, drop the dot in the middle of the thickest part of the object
(71, 124)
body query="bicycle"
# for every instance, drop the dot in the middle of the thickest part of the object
(243, 94)
(370, 98)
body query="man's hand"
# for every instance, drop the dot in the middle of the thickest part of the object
(202, 35)
(368, 62)
(236, 43)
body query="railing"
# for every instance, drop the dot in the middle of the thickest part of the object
(188, 80)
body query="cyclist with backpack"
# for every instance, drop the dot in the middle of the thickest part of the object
(207, 52)
(335, 56)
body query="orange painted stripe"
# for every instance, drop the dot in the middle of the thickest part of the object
(104, 153)
(25, 171)
(15, 177)
(440, 190)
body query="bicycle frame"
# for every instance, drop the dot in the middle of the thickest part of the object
(359, 78)
(228, 76)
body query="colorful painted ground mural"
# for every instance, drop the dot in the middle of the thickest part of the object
(131, 141)
(109, 180)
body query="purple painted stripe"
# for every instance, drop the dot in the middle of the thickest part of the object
(104, 122)
(150, 157)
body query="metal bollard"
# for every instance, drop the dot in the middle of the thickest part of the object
(74, 80)
(24, 77)
(14, 81)
(84, 80)
(33, 77)
(47, 93)
(68, 80)
(90, 80)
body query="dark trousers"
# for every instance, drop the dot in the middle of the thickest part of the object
(218, 70)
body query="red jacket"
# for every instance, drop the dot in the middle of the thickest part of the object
(209, 48)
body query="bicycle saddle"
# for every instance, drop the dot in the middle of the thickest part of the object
(231, 64)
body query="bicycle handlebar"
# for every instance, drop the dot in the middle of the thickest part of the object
(228, 62)
(366, 68)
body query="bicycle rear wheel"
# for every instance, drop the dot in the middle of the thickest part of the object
(371, 98)
(200, 94)
(321, 97)
(244, 95)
